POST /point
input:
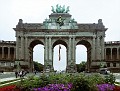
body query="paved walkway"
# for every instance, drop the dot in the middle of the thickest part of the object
(117, 75)
(7, 79)
(2, 78)
(9, 83)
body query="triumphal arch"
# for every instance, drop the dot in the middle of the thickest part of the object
(60, 28)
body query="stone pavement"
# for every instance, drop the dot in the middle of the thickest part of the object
(6, 76)
(7, 79)
(11, 76)
(117, 76)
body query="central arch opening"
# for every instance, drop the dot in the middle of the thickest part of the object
(59, 55)
(59, 60)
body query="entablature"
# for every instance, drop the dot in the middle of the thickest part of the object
(7, 42)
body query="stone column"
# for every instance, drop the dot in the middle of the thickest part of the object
(69, 51)
(66, 56)
(50, 49)
(102, 48)
(111, 54)
(71, 55)
(8, 52)
(14, 52)
(73, 50)
(17, 47)
(30, 59)
(50, 54)
(117, 53)
(46, 51)
(98, 49)
(93, 49)
(2, 52)
(105, 53)
(22, 47)
(26, 48)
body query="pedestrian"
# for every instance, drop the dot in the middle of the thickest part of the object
(35, 72)
(20, 73)
(16, 74)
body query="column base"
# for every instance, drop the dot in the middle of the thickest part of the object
(96, 64)
(21, 65)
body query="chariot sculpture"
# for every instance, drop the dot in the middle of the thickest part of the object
(60, 9)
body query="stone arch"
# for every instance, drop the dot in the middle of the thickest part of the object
(86, 43)
(88, 47)
(56, 43)
(49, 33)
(35, 42)
(32, 44)
(59, 41)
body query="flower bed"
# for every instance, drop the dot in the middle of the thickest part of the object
(62, 87)
(65, 82)
(116, 88)
(68, 87)
(55, 87)
(105, 87)
(8, 88)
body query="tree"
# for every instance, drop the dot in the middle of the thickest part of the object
(81, 67)
(38, 66)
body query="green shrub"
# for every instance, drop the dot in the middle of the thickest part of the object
(45, 80)
(31, 82)
(59, 78)
(93, 80)
(87, 82)
(96, 79)
(110, 79)
(80, 84)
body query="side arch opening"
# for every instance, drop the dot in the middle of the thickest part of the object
(83, 55)
(36, 55)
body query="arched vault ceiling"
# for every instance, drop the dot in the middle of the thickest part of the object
(59, 42)
(35, 42)
(85, 43)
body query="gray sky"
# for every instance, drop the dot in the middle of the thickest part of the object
(36, 11)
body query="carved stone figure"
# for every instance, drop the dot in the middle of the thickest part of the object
(63, 8)
(53, 9)
(67, 10)
(60, 21)
(60, 9)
